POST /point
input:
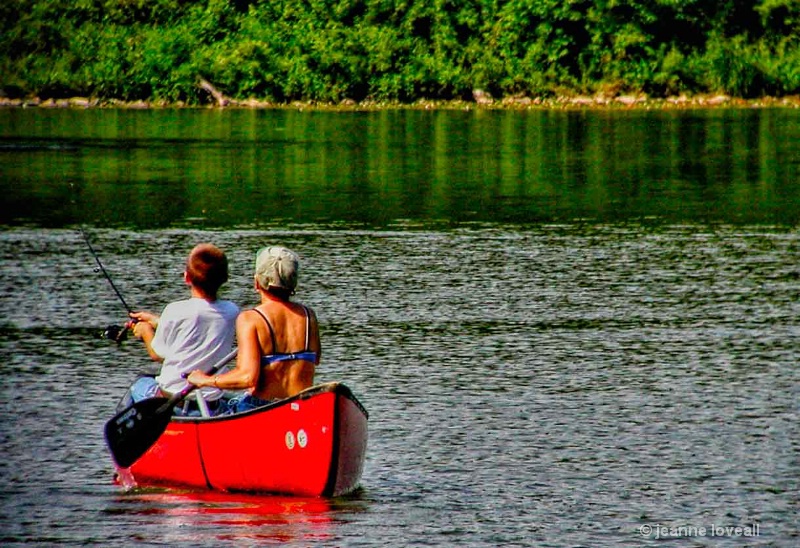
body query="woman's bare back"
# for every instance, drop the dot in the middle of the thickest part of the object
(294, 331)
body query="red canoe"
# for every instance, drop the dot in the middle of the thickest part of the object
(312, 444)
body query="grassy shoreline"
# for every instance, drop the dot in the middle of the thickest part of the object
(482, 101)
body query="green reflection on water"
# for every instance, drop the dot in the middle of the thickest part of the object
(161, 168)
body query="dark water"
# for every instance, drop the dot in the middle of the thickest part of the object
(566, 328)
(156, 169)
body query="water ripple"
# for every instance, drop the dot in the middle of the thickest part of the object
(564, 385)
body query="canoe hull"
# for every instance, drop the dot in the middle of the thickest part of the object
(312, 444)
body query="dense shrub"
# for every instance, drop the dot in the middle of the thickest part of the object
(329, 50)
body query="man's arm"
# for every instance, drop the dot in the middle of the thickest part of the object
(144, 328)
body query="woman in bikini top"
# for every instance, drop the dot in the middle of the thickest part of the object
(278, 340)
(284, 373)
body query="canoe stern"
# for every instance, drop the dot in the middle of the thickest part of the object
(351, 447)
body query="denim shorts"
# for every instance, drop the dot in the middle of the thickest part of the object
(245, 402)
(144, 388)
(147, 387)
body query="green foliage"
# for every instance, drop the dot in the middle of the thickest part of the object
(743, 69)
(330, 50)
(784, 67)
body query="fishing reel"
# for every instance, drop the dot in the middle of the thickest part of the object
(116, 333)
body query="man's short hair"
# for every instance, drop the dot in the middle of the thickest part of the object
(207, 267)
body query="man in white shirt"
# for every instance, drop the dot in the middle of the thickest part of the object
(190, 334)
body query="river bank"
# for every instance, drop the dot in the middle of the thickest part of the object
(481, 101)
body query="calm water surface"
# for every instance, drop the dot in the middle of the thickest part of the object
(618, 367)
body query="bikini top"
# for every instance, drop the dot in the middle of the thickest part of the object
(306, 354)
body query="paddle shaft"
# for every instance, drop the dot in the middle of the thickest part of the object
(179, 396)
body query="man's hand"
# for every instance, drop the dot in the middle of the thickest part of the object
(145, 317)
(144, 326)
(143, 330)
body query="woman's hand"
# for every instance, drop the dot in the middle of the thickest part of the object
(200, 379)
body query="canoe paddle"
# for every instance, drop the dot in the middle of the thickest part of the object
(136, 428)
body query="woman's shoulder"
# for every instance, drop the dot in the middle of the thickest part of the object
(249, 316)
(301, 309)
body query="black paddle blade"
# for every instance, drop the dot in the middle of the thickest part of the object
(135, 429)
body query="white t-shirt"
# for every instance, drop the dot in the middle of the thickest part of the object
(193, 334)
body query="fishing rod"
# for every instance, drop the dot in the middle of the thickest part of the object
(112, 332)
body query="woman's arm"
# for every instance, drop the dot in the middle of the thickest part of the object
(248, 360)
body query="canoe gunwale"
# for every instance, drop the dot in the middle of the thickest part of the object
(335, 387)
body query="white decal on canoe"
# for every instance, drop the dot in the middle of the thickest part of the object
(290, 440)
(295, 406)
(125, 418)
(302, 438)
